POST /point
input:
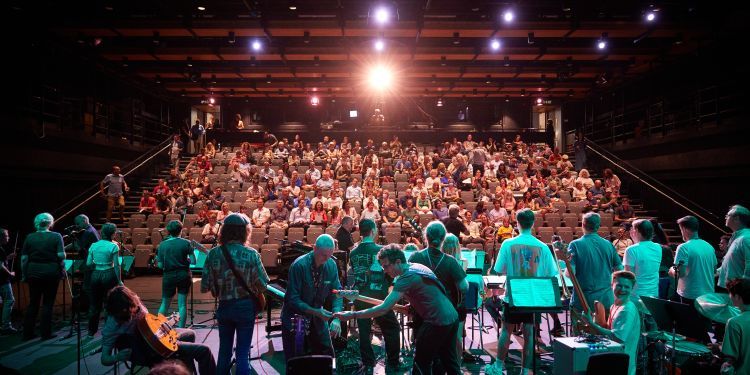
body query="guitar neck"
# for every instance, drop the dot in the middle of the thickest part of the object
(577, 287)
(275, 291)
(374, 301)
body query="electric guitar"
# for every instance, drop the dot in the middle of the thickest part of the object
(353, 294)
(158, 333)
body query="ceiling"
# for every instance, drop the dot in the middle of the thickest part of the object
(435, 48)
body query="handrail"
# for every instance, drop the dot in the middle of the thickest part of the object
(153, 152)
(590, 142)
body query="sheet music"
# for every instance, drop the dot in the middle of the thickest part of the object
(532, 293)
(494, 280)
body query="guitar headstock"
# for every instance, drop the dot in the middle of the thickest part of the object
(349, 294)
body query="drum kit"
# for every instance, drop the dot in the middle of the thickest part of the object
(685, 354)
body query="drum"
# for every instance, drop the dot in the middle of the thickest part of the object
(687, 353)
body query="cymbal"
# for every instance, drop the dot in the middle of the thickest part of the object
(716, 306)
(665, 336)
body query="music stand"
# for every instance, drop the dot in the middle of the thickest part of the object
(675, 316)
(533, 295)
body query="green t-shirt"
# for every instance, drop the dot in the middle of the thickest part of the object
(445, 267)
(367, 274)
(173, 254)
(425, 296)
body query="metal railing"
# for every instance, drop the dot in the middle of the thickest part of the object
(94, 191)
(642, 177)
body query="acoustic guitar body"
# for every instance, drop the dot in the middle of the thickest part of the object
(158, 333)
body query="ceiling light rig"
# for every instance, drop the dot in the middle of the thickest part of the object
(601, 44)
(508, 16)
(256, 45)
(495, 44)
(382, 15)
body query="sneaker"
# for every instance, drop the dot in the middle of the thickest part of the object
(496, 368)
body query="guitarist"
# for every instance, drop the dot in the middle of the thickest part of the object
(592, 261)
(120, 330)
(6, 276)
(235, 275)
(174, 256)
(312, 279)
(369, 279)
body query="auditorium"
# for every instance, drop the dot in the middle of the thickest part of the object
(375, 187)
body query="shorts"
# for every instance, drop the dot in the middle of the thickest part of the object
(179, 280)
(516, 317)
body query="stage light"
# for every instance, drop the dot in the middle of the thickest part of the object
(381, 15)
(650, 16)
(256, 45)
(314, 101)
(352, 114)
(379, 45)
(440, 102)
(495, 44)
(211, 100)
(602, 42)
(539, 101)
(508, 16)
(201, 8)
(380, 78)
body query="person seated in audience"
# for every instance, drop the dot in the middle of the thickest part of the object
(147, 204)
(204, 164)
(391, 215)
(585, 179)
(210, 230)
(370, 212)
(163, 205)
(440, 211)
(624, 213)
(579, 192)
(451, 194)
(522, 182)
(435, 191)
(281, 178)
(301, 196)
(295, 181)
(161, 188)
(217, 199)
(335, 216)
(266, 173)
(344, 171)
(424, 205)
(371, 199)
(261, 215)
(319, 198)
(294, 160)
(279, 216)
(598, 189)
(270, 189)
(300, 216)
(235, 175)
(223, 212)
(409, 212)
(210, 150)
(347, 209)
(497, 213)
(334, 200)
(621, 240)
(611, 181)
(474, 227)
(255, 191)
(608, 202)
(325, 182)
(184, 203)
(353, 191)
(318, 215)
(592, 203)
(386, 174)
(568, 179)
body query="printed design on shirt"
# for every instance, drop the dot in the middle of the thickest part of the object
(525, 259)
(368, 275)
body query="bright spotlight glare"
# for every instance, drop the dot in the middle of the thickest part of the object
(256, 45)
(379, 45)
(381, 15)
(380, 78)
(539, 100)
(495, 44)
(508, 16)
(314, 101)
(650, 16)
(602, 44)
(212, 100)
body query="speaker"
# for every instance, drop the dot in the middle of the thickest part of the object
(310, 365)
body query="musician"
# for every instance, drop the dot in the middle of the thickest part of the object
(87, 236)
(369, 279)
(175, 255)
(438, 333)
(6, 289)
(124, 309)
(736, 262)
(104, 262)
(736, 344)
(592, 261)
(695, 262)
(624, 323)
(42, 259)
(523, 255)
(237, 287)
(643, 259)
(312, 279)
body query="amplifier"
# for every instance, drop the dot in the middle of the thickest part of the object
(572, 357)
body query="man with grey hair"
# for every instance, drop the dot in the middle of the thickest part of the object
(453, 224)
(87, 235)
(736, 263)
(312, 279)
(592, 260)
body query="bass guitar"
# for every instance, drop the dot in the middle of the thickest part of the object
(598, 314)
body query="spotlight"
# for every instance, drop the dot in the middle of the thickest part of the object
(508, 16)
(381, 15)
(379, 45)
(495, 44)
(314, 101)
(602, 42)
(211, 100)
(201, 8)
(539, 101)
(440, 102)
(256, 45)
(380, 78)
(650, 16)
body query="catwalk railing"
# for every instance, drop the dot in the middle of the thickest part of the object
(672, 196)
(142, 163)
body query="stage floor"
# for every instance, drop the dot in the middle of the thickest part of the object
(58, 355)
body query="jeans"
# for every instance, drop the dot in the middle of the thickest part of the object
(38, 288)
(101, 283)
(436, 342)
(237, 315)
(390, 328)
(188, 351)
(6, 293)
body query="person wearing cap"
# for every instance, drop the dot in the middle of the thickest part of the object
(175, 255)
(238, 301)
(312, 279)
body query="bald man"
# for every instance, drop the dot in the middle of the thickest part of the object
(312, 279)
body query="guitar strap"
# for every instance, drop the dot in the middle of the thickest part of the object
(236, 273)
